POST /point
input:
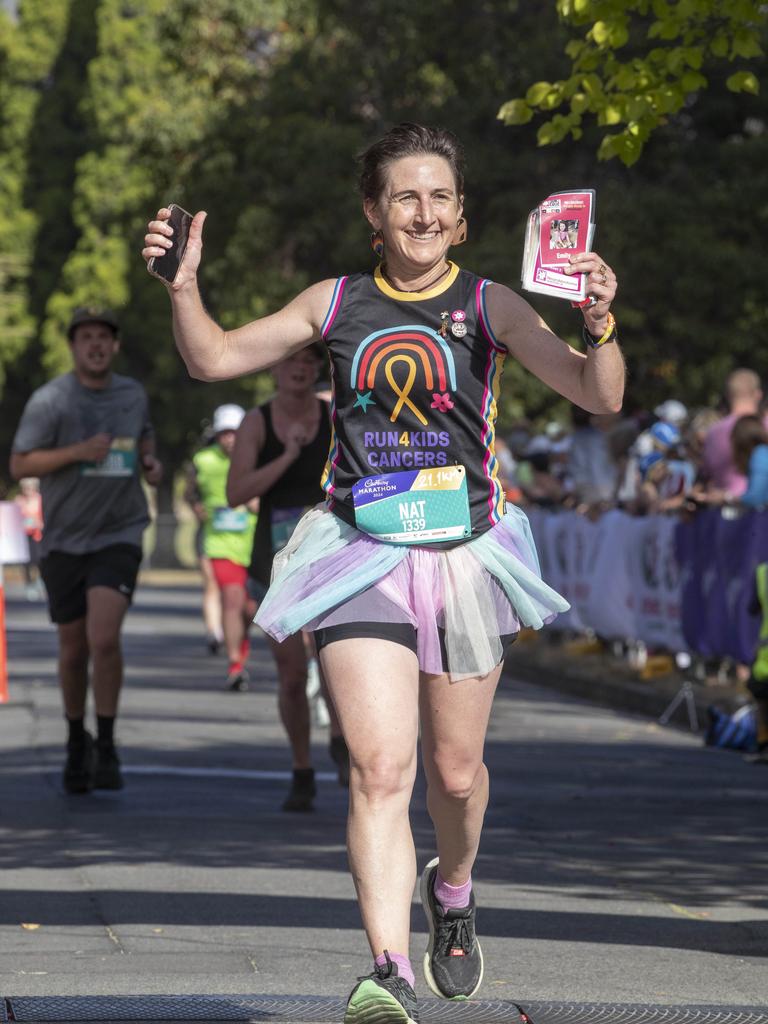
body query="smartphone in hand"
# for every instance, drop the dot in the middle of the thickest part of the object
(166, 267)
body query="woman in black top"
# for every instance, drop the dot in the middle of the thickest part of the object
(280, 450)
(413, 633)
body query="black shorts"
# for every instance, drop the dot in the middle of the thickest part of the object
(402, 633)
(68, 577)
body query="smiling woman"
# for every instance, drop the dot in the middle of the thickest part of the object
(414, 574)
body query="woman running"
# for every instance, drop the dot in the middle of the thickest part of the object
(414, 575)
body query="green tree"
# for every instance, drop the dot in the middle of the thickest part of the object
(638, 63)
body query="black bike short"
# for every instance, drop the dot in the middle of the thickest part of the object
(68, 577)
(402, 633)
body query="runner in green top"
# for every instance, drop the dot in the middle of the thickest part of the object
(227, 538)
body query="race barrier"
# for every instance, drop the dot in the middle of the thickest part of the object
(14, 550)
(670, 584)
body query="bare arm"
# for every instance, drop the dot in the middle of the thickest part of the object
(41, 461)
(593, 380)
(246, 481)
(151, 466)
(211, 353)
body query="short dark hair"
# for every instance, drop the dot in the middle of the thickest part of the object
(748, 432)
(408, 139)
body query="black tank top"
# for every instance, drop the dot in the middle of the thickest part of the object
(298, 489)
(416, 377)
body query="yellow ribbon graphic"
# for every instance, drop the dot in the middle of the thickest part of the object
(403, 392)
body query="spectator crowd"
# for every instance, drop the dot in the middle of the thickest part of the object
(672, 459)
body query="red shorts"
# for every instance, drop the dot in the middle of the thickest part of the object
(228, 574)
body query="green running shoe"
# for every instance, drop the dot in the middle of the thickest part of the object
(382, 998)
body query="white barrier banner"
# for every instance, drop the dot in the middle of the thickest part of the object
(620, 574)
(14, 546)
(610, 608)
(656, 582)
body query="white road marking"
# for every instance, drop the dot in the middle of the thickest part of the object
(217, 773)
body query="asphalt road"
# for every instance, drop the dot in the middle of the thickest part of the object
(621, 862)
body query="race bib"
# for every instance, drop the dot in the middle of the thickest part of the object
(283, 521)
(231, 520)
(419, 506)
(120, 462)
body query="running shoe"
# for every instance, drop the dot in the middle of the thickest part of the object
(758, 757)
(453, 963)
(78, 769)
(107, 774)
(303, 791)
(237, 678)
(382, 998)
(340, 757)
(213, 644)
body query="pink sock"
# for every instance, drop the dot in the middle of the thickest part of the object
(451, 897)
(404, 969)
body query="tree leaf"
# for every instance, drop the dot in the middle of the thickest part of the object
(743, 81)
(537, 93)
(515, 112)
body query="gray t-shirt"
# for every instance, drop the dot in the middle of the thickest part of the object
(88, 506)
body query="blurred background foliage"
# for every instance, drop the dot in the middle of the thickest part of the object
(255, 109)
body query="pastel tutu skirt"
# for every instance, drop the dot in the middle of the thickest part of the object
(460, 600)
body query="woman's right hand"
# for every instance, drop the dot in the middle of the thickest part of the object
(158, 239)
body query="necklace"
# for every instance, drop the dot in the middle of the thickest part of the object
(415, 291)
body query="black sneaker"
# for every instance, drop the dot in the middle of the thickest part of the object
(453, 963)
(78, 770)
(340, 757)
(302, 792)
(237, 681)
(106, 774)
(758, 757)
(382, 998)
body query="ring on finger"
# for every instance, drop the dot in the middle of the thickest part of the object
(604, 279)
(601, 269)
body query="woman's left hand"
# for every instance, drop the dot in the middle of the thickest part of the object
(601, 283)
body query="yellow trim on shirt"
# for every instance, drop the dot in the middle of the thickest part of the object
(439, 288)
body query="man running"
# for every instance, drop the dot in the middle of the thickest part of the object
(88, 437)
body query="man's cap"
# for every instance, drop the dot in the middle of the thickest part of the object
(539, 445)
(671, 411)
(227, 417)
(665, 434)
(92, 315)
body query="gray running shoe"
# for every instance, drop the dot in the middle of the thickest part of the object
(453, 963)
(382, 998)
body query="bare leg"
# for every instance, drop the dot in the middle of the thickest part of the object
(291, 661)
(212, 614)
(234, 603)
(73, 667)
(374, 685)
(104, 620)
(311, 652)
(454, 719)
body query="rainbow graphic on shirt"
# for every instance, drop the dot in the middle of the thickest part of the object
(403, 355)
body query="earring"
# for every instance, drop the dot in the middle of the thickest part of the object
(460, 234)
(377, 243)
